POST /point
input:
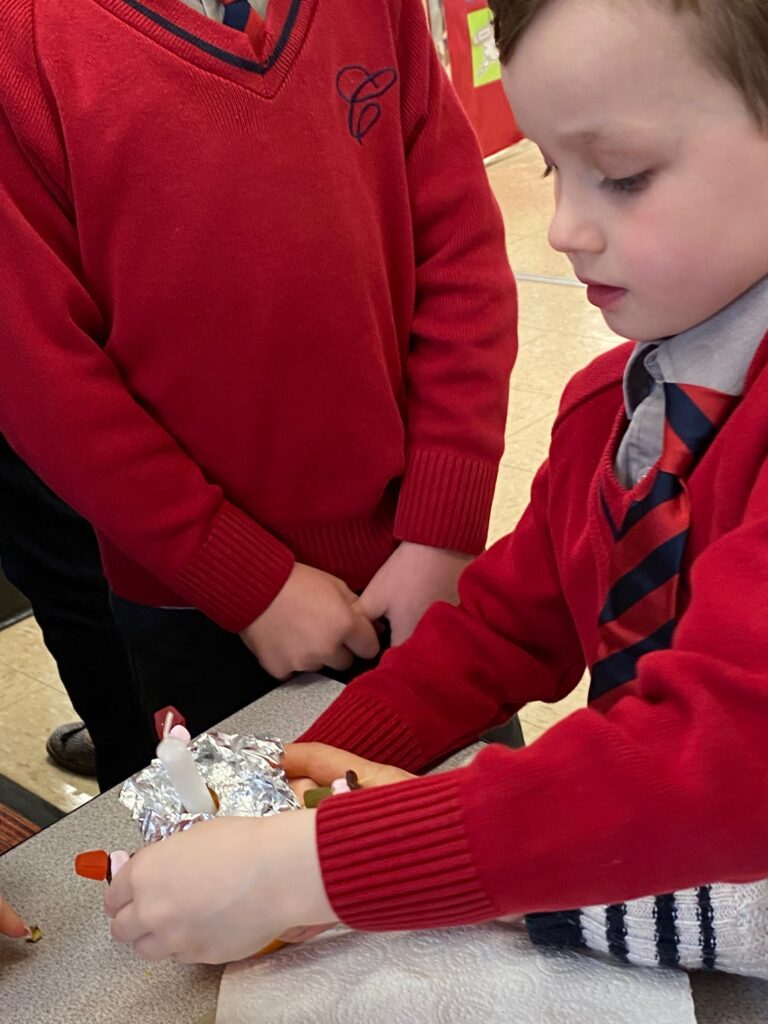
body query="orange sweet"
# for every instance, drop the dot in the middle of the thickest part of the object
(93, 864)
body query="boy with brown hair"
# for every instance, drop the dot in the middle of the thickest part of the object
(643, 556)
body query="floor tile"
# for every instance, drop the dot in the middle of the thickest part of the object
(547, 361)
(532, 254)
(22, 649)
(520, 165)
(561, 308)
(513, 488)
(26, 724)
(14, 687)
(527, 407)
(525, 198)
(537, 717)
(528, 448)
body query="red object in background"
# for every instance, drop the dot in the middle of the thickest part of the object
(485, 104)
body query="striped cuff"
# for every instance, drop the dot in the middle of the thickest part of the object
(237, 573)
(445, 500)
(396, 857)
(560, 929)
(721, 926)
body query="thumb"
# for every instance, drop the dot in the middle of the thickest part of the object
(304, 932)
(301, 785)
(372, 605)
(10, 923)
(324, 764)
(361, 638)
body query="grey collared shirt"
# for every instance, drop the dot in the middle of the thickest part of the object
(714, 354)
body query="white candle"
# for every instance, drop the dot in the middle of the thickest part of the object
(186, 779)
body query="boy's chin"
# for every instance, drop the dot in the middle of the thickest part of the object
(621, 326)
(636, 327)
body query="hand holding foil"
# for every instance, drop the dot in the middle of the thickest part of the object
(227, 887)
(218, 891)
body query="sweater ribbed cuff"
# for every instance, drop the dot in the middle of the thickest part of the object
(368, 728)
(237, 573)
(397, 857)
(445, 500)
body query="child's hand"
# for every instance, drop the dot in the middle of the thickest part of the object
(10, 923)
(412, 578)
(314, 621)
(309, 765)
(221, 891)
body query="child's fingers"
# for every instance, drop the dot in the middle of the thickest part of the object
(362, 638)
(300, 787)
(10, 923)
(120, 892)
(151, 947)
(126, 927)
(341, 659)
(304, 932)
(371, 605)
(400, 629)
(322, 763)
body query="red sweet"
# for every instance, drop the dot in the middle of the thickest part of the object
(93, 864)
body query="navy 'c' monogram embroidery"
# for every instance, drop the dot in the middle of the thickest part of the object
(360, 89)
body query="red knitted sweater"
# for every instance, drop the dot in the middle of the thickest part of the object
(254, 306)
(660, 785)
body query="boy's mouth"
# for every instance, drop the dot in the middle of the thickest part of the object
(603, 295)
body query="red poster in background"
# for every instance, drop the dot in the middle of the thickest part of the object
(476, 73)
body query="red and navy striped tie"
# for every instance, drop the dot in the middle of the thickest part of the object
(240, 15)
(641, 608)
(639, 616)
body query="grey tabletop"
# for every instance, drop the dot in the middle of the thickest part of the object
(76, 975)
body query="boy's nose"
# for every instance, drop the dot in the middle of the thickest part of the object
(571, 230)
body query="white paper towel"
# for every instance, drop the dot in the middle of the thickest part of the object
(490, 974)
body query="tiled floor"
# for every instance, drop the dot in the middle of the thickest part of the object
(32, 703)
(559, 333)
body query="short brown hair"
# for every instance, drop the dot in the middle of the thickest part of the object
(733, 39)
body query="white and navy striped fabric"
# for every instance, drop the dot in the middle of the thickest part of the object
(721, 926)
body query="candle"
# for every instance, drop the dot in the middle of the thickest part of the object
(184, 776)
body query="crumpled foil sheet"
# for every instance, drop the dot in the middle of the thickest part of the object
(243, 771)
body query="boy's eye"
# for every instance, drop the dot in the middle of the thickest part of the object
(635, 183)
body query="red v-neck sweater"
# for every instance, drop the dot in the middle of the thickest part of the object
(254, 306)
(660, 785)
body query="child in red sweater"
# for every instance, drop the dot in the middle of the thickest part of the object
(643, 556)
(258, 323)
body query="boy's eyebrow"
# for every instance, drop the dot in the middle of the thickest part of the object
(586, 137)
(613, 135)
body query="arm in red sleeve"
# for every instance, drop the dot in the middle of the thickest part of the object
(464, 332)
(662, 789)
(65, 409)
(511, 640)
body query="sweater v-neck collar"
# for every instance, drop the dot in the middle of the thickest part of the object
(219, 48)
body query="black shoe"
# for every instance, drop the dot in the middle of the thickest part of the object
(70, 747)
